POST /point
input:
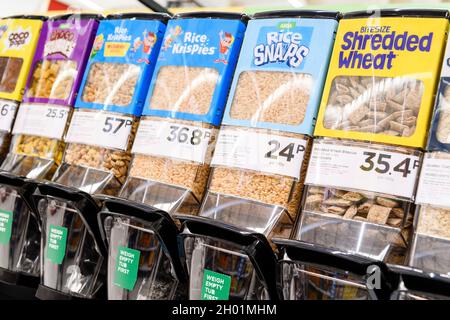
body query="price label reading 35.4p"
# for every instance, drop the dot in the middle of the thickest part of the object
(363, 168)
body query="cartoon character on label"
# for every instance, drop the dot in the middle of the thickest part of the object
(136, 45)
(149, 42)
(98, 44)
(172, 37)
(226, 41)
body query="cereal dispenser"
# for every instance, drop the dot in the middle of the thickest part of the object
(183, 110)
(371, 126)
(18, 39)
(110, 102)
(20, 235)
(56, 71)
(430, 250)
(414, 284)
(227, 263)
(311, 272)
(143, 258)
(263, 146)
(72, 254)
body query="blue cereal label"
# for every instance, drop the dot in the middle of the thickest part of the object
(194, 69)
(280, 74)
(120, 66)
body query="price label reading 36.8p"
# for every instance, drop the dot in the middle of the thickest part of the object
(7, 113)
(363, 168)
(172, 140)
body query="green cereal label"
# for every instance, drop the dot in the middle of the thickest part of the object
(127, 265)
(6, 218)
(56, 244)
(216, 286)
(286, 25)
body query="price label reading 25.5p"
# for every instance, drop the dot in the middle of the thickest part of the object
(41, 120)
(7, 113)
(104, 129)
(268, 153)
(363, 168)
(172, 140)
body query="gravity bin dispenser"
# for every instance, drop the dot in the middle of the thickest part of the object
(72, 252)
(143, 258)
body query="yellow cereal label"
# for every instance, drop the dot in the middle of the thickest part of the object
(382, 79)
(18, 40)
(116, 49)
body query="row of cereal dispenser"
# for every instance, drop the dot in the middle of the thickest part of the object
(117, 132)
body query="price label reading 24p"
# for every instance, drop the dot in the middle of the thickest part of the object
(363, 168)
(268, 153)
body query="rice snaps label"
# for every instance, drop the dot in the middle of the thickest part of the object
(193, 43)
(290, 53)
(286, 45)
(125, 52)
(382, 79)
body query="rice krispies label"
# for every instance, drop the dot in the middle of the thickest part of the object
(280, 74)
(18, 40)
(382, 78)
(120, 67)
(195, 66)
(59, 61)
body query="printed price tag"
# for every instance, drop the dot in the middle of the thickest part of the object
(41, 120)
(107, 130)
(174, 140)
(434, 182)
(363, 169)
(269, 153)
(7, 114)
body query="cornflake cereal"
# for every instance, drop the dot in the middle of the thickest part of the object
(377, 90)
(184, 107)
(52, 79)
(106, 114)
(263, 146)
(434, 221)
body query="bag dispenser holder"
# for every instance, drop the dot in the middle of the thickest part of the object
(241, 261)
(143, 257)
(72, 251)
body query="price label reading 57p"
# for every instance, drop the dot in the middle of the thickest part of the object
(363, 168)
(102, 129)
(268, 153)
(7, 113)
